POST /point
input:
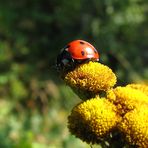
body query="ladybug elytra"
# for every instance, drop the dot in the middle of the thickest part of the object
(76, 52)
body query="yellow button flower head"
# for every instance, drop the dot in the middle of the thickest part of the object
(135, 126)
(126, 98)
(141, 87)
(91, 77)
(92, 120)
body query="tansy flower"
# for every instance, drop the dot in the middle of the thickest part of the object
(90, 78)
(93, 120)
(135, 126)
(141, 87)
(126, 98)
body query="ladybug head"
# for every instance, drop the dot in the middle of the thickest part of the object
(75, 53)
(64, 60)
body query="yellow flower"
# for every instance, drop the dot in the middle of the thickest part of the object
(90, 78)
(126, 98)
(93, 120)
(141, 87)
(135, 126)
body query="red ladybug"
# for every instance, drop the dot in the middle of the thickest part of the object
(76, 52)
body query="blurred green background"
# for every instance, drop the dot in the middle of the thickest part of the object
(34, 101)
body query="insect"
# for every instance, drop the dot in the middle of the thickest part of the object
(75, 53)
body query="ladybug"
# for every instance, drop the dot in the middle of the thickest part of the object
(75, 53)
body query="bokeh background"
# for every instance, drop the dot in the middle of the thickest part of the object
(34, 101)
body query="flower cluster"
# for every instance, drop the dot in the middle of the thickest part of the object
(90, 78)
(122, 110)
(141, 87)
(126, 98)
(134, 125)
(93, 119)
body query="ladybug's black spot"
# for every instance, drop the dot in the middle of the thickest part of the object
(83, 53)
(82, 42)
